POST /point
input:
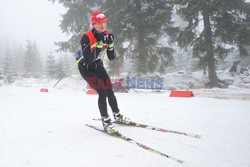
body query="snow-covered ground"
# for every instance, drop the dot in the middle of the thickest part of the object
(48, 130)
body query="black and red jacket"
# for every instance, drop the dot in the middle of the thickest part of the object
(89, 51)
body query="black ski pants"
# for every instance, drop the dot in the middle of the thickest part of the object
(99, 80)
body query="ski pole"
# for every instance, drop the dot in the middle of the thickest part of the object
(66, 72)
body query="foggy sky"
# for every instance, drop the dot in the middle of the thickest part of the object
(37, 20)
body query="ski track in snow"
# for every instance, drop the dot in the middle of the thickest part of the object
(48, 129)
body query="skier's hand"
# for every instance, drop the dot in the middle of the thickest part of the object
(107, 37)
(79, 54)
(111, 54)
(104, 37)
(110, 42)
(110, 39)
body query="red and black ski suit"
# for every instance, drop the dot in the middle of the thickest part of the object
(93, 71)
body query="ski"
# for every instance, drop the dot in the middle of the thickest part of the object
(121, 136)
(135, 124)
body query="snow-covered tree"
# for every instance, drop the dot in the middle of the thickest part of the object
(38, 66)
(75, 21)
(8, 67)
(28, 59)
(51, 65)
(32, 61)
(1, 72)
(60, 69)
(213, 26)
(140, 24)
(18, 58)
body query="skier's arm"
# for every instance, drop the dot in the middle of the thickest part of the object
(110, 49)
(89, 56)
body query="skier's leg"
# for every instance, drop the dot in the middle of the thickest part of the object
(111, 96)
(101, 72)
(91, 77)
(98, 85)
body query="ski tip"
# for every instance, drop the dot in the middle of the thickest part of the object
(96, 119)
(88, 125)
(198, 136)
(194, 136)
(180, 161)
(176, 160)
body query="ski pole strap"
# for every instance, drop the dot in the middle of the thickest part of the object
(111, 46)
(104, 54)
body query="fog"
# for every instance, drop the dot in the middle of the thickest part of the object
(36, 20)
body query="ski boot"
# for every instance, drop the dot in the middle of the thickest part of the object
(108, 126)
(121, 119)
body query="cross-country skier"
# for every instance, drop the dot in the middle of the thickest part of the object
(94, 44)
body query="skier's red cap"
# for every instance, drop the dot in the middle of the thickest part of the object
(98, 16)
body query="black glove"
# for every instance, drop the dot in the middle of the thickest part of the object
(104, 37)
(111, 55)
(110, 50)
(110, 39)
(107, 38)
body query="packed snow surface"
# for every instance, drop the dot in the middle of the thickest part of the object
(48, 130)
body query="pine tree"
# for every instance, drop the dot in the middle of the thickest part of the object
(75, 21)
(8, 68)
(18, 59)
(244, 46)
(32, 61)
(51, 65)
(139, 23)
(1, 72)
(28, 59)
(37, 60)
(60, 69)
(222, 23)
(67, 60)
(1, 60)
